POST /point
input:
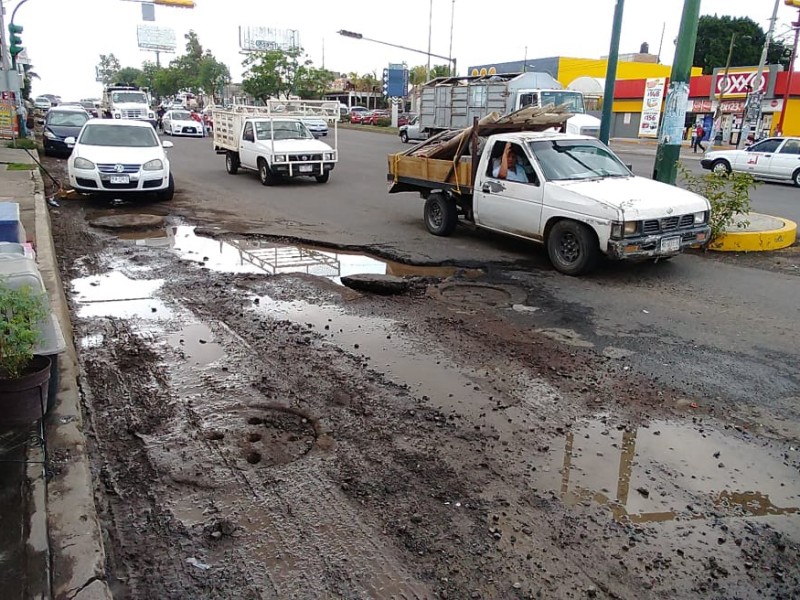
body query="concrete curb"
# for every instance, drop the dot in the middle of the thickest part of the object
(757, 241)
(75, 536)
(372, 128)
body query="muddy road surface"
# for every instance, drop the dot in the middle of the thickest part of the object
(258, 430)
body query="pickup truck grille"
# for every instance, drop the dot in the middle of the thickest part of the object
(134, 113)
(667, 224)
(304, 157)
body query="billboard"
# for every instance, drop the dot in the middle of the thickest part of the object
(259, 39)
(651, 107)
(152, 37)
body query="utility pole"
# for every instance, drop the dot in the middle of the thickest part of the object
(718, 113)
(796, 26)
(611, 73)
(452, 20)
(4, 48)
(670, 135)
(752, 106)
(430, 34)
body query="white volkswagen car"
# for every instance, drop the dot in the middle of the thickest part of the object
(180, 122)
(120, 156)
(772, 159)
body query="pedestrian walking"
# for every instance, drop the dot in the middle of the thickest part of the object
(699, 132)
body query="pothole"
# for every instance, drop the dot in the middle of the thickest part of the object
(284, 435)
(214, 436)
(477, 296)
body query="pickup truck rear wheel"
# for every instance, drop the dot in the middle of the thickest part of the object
(232, 162)
(441, 214)
(572, 247)
(265, 173)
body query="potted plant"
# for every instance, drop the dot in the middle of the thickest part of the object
(23, 377)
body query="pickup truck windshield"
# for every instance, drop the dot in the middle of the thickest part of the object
(576, 159)
(282, 130)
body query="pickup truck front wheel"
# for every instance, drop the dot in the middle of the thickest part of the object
(232, 162)
(265, 174)
(441, 214)
(572, 248)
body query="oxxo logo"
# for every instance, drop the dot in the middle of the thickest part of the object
(739, 84)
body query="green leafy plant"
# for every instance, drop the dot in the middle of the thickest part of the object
(24, 143)
(21, 311)
(728, 193)
(20, 167)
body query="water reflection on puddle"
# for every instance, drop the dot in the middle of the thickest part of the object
(667, 471)
(195, 342)
(115, 295)
(252, 255)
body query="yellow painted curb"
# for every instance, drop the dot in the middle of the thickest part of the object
(757, 241)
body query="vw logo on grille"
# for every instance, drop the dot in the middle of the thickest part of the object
(119, 168)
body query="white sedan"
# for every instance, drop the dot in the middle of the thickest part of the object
(772, 159)
(120, 157)
(180, 122)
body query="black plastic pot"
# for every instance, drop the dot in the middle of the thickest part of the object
(24, 400)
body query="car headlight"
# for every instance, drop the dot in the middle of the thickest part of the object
(151, 116)
(153, 165)
(280, 158)
(630, 227)
(329, 156)
(700, 217)
(117, 116)
(50, 135)
(82, 163)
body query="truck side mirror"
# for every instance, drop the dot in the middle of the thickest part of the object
(629, 166)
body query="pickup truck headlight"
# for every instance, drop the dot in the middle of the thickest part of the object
(151, 116)
(117, 116)
(153, 165)
(624, 229)
(330, 156)
(82, 163)
(700, 217)
(280, 158)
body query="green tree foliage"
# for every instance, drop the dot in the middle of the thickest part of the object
(107, 68)
(128, 76)
(417, 75)
(714, 38)
(280, 73)
(440, 71)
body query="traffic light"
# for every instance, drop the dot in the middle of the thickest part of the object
(795, 3)
(14, 42)
(176, 3)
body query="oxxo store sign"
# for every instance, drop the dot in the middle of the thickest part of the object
(742, 80)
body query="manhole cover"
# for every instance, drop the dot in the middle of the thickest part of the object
(277, 436)
(474, 296)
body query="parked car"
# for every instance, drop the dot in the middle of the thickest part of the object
(411, 131)
(120, 156)
(357, 113)
(772, 159)
(90, 107)
(403, 119)
(372, 117)
(180, 122)
(318, 127)
(60, 123)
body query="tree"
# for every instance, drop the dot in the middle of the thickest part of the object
(280, 73)
(167, 82)
(128, 76)
(417, 75)
(440, 71)
(714, 38)
(212, 75)
(107, 68)
(28, 75)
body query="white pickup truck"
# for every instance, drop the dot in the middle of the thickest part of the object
(274, 141)
(569, 192)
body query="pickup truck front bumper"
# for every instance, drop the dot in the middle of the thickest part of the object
(298, 169)
(654, 246)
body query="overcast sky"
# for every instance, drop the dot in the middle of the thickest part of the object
(65, 37)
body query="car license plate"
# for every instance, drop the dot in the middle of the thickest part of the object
(305, 168)
(670, 245)
(120, 179)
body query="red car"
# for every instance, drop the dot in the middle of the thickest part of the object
(372, 117)
(357, 116)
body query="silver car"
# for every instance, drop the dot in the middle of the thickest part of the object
(318, 127)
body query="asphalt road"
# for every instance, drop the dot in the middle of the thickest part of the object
(712, 328)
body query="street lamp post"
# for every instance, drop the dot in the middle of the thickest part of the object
(358, 36)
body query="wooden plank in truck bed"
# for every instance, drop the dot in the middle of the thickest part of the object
(407, 173)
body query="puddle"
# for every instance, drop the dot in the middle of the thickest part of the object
(115, 295)
(195, 342)
(263, 256)
(668, 471)
(427, 372)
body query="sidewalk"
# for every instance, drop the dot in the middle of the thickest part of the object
(648, 147)
(51, 535)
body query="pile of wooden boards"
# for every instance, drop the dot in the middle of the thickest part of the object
(450, 145)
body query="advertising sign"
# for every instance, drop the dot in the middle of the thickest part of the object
(395, 81)
(260, 39)
(737, 84)
(8, 120)
(651, 107)
(152, 37)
